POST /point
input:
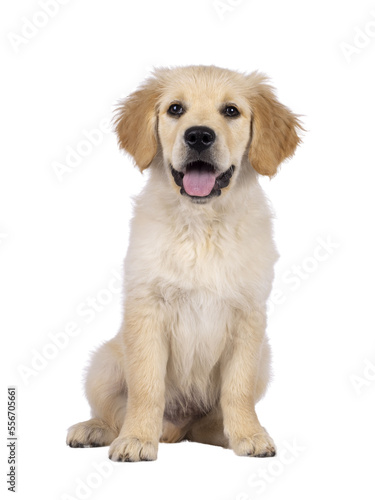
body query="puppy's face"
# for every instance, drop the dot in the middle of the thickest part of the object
(204, 131)
(206, 121)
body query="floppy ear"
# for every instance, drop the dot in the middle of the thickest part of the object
(274, 129)
(136, 124)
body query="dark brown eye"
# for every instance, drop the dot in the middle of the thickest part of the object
(231, 111)
(175, 110)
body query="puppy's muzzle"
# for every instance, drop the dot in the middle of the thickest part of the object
(200, 178)
(199, 138)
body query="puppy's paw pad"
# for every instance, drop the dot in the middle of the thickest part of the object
(90, 434)
(132, 449)
(257, 445)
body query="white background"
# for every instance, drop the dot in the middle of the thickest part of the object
(61, 241)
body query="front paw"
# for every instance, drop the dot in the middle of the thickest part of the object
(132, 449)
(259, 445)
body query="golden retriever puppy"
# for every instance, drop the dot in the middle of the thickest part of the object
(191, 358)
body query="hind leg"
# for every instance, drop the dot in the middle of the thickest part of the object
(209, 430)
(173, 433)
(106, 392)
(89, 434)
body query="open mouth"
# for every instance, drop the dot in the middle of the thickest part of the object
(200, 181)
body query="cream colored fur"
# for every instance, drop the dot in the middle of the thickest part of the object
(191, 358)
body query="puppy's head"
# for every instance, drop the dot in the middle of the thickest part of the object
(206, 121)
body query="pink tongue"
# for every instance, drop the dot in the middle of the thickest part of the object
(198, 182)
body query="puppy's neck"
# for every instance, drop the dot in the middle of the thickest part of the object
(161, 202)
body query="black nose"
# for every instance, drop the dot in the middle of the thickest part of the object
(199, 138)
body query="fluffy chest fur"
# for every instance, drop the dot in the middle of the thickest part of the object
(199, 266)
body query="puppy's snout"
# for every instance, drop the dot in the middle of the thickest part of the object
(199, 138)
